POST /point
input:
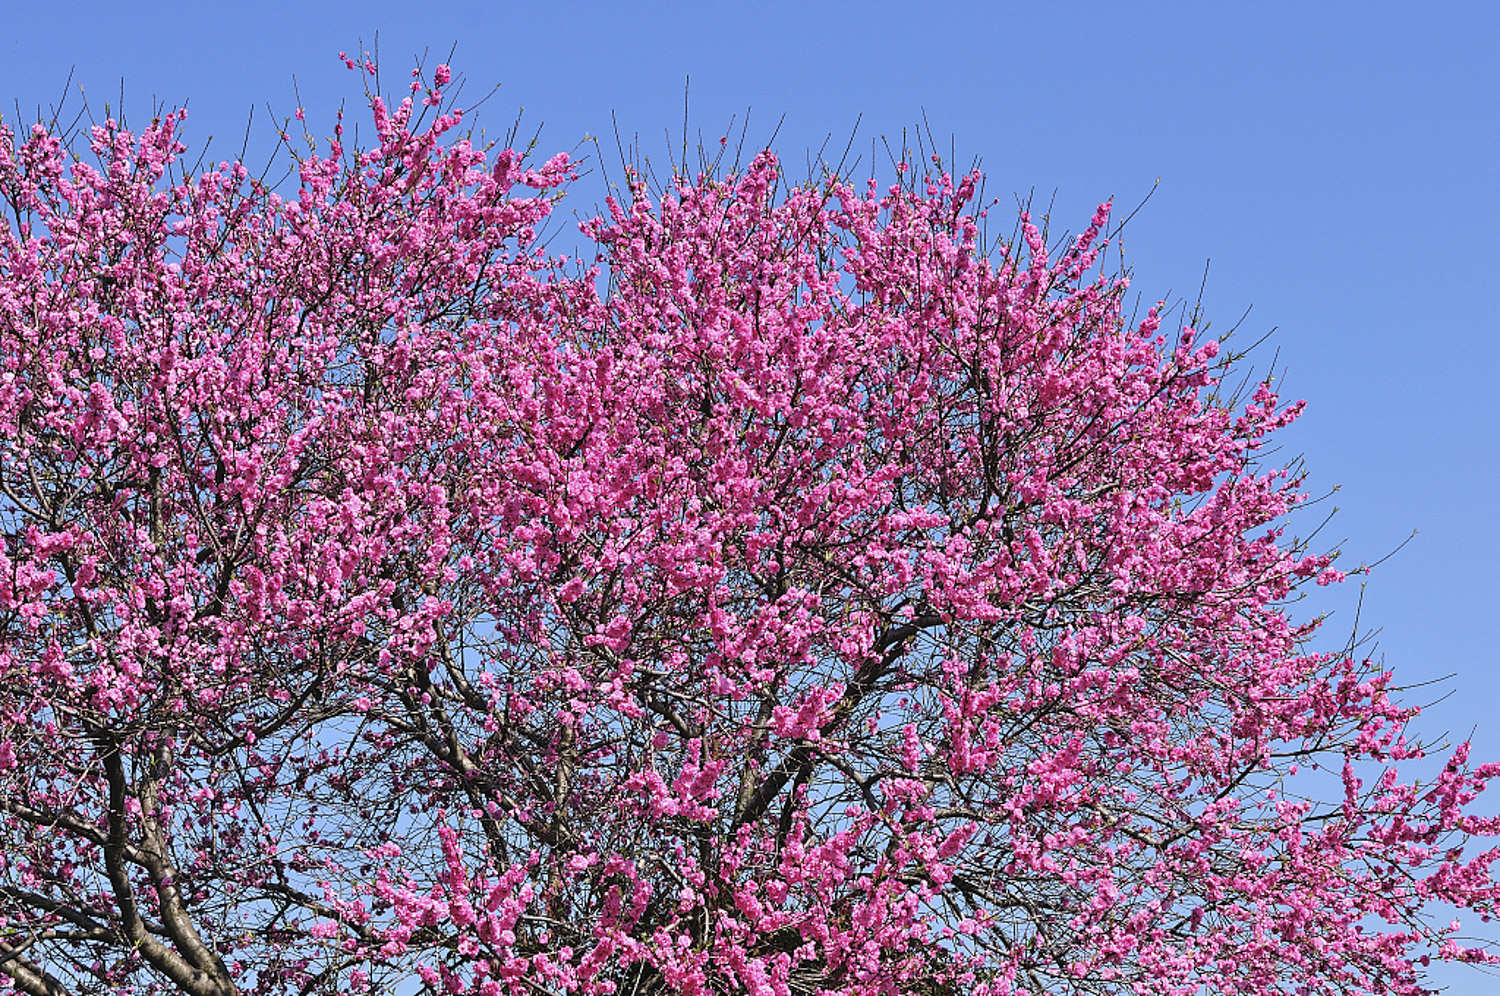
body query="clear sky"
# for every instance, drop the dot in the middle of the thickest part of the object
(1338, 162)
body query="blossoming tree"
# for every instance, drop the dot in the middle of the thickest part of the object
(799, 595)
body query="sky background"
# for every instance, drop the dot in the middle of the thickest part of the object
(1336, 161)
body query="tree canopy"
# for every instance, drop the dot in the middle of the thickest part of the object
(799, 592)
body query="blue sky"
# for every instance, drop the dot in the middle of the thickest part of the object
(1336, 161)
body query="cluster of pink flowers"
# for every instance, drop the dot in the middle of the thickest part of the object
(804, 594)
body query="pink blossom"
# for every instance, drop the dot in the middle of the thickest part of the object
(788, 592)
